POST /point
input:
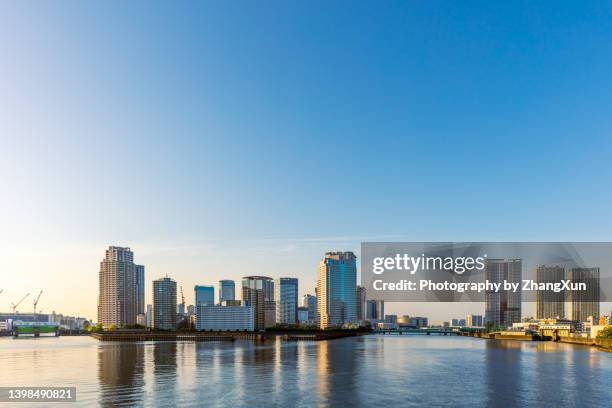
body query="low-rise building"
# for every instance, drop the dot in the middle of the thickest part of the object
(225, 318)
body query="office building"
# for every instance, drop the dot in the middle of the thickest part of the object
(310, 302)
(337, 289)
(286, 299)
(117, 288)
(204, 295)
(303, 317)
(504, 307)
(457, 322)
(269, 313)
(164, 304)
(227, 290)
(225, 318)
(258, 292)
(418, 322)
(360, 306)
(584, 303)
(550, 304)
(140, 288)
(473, 320)
(391, 319)
(375, 310)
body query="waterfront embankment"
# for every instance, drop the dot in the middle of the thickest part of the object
(143, 335)
(602, 344)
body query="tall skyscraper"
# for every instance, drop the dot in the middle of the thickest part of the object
(360, 306)
(256, 291)
(204, 295)
(337, 289)
(584, 303)
(310, 302)
(504, 307)
(286, 295)
(164, 304)
(117, 288)
(140, 289)
(227, 290)
(550, 304)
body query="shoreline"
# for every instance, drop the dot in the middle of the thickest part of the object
(600, 344)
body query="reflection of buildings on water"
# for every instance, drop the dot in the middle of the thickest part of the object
(503, 373)
(337, 369)
(120, 371)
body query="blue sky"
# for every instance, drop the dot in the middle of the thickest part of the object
(219, 140)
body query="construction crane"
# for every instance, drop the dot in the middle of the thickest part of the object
(15, 305)
(36, 300)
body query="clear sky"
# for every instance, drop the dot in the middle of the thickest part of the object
(221, 139)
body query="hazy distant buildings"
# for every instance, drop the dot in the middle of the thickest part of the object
(360, 305)
(223, 318)
(473, 320)
(550, 304)
(149, 315)
(258, 292)
(140, 289)
(117, 288)
(204, 295)
(584, 303)
(504, 307)
(337, 289)
(457, 322)
(164, 304)
(227, 290)
(286, 298)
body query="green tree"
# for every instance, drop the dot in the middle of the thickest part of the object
(605, 333)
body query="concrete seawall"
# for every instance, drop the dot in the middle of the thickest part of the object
(604, 344)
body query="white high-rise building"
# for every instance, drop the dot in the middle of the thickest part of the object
(337, 289)
(149, 315)
(164, 304)
(117, 296)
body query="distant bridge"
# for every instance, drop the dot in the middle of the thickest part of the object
(444, 331)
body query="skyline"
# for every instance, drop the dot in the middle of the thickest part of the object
(221, 140)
